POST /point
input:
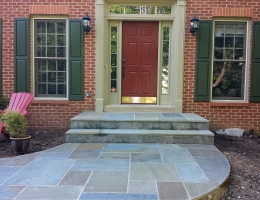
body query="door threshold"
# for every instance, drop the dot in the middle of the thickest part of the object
(139, 108)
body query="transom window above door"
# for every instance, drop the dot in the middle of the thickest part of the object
(139, 9)
(50, 58)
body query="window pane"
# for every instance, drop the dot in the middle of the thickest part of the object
(228, 79)
(52, 65)
(219, 41)
(164, 10)
(52, 89)
(62, 77)
(41, 65)
(61, 65)
(132, 9)
(165, 60)
(42, 89)
(61, 28)
(41, 39)
(50, 27)
(41, 27)
(113, 84)
(229, 42)
(61, 52)
(239, 42)
(42, 77)
(229, 54)
(229, 30)
(218, 53)
(165, 46)
(51, 40)
(239, 54)
(113, 59)
(150, 10)
(41, 52)
(113, 46)
(240, 29)
(116, 9)
(113, 72)
(61, 40)
(52, 77)
(62, 89)
(50, 51)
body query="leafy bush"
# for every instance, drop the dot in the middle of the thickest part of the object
(15, 124)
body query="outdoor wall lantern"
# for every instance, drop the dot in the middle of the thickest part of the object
(194, 24)
(86, 23)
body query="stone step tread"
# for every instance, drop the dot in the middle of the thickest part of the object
(142, 116)
(139, 132)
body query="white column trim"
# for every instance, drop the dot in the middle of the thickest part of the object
(177, 74)
(99, 75)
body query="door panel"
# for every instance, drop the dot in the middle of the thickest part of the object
(140, 51)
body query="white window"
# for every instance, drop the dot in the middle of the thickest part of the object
(229, 62)
(50, 58)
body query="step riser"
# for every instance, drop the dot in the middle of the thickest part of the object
(128, 138)
(140, 125)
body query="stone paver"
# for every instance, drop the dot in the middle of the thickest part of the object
(114, 171)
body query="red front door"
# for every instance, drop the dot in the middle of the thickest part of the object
(139, 62)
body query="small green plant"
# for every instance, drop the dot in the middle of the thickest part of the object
(15, 124)
(3, 103)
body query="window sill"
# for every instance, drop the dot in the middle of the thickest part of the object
(51, 101)
(229, 104)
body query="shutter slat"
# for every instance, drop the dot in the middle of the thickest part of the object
(21, 55)
(76, 61)
(255, 64)
(203, 61)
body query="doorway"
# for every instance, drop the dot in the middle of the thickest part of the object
(139, 62)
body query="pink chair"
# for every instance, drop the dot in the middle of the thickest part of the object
(18, 102)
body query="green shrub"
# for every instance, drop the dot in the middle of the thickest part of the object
(15, 124)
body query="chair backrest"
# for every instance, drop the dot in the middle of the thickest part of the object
(20, 101)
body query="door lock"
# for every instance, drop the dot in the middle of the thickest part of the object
(123, 71)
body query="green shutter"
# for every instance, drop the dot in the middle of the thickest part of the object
(76, 60)
(21, 55)
(203, 61)
(0, 57)
(255, 65)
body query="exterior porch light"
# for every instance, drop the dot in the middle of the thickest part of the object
(194, 24)
(86, 23)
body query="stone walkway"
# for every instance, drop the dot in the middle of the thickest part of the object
(76, 171)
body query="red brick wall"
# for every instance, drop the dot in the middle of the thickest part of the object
(49, 114)
(56, 114)
(221, 115)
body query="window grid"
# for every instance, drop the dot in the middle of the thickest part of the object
(229, 61)
(50, 58)
(139, 9)
(165, 60)
(113, 58)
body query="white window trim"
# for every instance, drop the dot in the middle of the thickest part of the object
(247, 62)
(33, 77)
